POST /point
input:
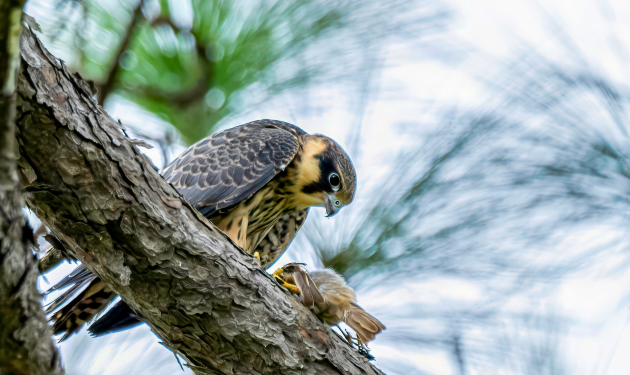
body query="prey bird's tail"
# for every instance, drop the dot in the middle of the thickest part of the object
(365, 325)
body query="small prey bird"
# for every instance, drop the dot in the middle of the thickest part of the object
(333, 301)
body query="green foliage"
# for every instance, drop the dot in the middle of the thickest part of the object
(194, 72)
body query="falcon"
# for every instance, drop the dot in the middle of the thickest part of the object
(331, 298)
(255, 182)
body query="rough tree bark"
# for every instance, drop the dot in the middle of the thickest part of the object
(26, 346)
(205, 298)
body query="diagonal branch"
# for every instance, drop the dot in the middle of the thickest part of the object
(205, 298)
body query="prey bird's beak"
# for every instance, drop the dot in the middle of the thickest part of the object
(333, 205)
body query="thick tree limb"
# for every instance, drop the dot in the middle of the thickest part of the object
(26, 346)
(205, 298)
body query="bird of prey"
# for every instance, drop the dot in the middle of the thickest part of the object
(255, 182)
(332, 300)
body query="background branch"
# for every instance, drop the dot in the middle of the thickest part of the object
(107, 87)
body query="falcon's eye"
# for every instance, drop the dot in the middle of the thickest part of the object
(334, 180)
(338, 203)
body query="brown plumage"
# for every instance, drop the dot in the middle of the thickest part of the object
(82, 309)
(331, 298)
(256, 182)
(245, 178)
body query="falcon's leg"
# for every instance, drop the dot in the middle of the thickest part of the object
(292, 288)
(242, 232)
(278, 273)
(237, 231)
(257, 255)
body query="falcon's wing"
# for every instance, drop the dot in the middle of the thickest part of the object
(232, 165)
(119, 318)
(274, 244)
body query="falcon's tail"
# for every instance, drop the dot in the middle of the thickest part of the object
(365, 325)
(76, 311)
(118, 318)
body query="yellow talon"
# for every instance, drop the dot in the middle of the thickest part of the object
(278, 272)
(292, 288)
(257, 257)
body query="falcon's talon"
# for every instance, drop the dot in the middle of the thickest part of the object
(257, 256)
(279, 279)
(292, 288)
(277, 273)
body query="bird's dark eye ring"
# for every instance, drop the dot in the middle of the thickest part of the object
(338, 203)
(334, 180)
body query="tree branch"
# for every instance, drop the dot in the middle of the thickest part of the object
(107, 87)
(204, 297)
(26, 346)
(194, 94)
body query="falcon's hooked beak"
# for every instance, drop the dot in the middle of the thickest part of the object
(333, 205)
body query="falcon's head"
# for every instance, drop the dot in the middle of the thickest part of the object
(326, 174)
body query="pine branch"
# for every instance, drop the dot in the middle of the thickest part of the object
(107, 87)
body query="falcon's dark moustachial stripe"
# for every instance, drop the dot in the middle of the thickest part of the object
(255, 182)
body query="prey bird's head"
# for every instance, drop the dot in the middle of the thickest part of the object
(291, 268)
(326, 174)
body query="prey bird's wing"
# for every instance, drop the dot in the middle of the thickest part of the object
(230, 166)
(308, 289)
